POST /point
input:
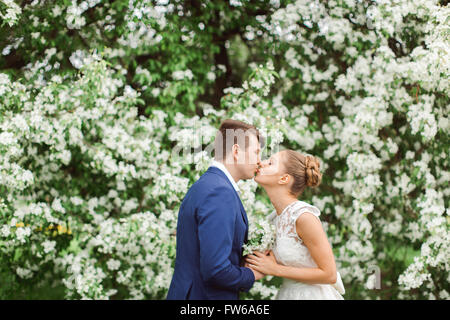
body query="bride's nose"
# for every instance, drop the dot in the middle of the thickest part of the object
(264, 163)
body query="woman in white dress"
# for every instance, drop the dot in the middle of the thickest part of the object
(302, 255)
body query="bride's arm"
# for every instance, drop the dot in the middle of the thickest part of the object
(311, 232)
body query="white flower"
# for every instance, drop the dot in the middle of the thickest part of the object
(180, 75)
(261, 236)
(211, 76)
(130, 205)
(76, 200)
(24, 273)
(77, 58)
(56, 11)
(235, 3)
(22, 233)
(113, 264)
(56, 205)
(234, 91)
(5, 231)
(49, 246)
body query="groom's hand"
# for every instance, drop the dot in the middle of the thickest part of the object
(258, 275)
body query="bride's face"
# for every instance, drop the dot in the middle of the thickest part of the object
(271, 170)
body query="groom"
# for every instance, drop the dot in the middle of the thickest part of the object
(212, 223)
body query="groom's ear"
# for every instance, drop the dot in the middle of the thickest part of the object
(235, 150)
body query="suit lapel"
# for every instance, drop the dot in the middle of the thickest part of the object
(244, 215)
(243, 212)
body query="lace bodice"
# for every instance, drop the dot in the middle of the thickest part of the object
(289, 250)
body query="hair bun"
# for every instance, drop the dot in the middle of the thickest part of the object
(313, 176)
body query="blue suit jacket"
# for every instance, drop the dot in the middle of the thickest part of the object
(212, 227)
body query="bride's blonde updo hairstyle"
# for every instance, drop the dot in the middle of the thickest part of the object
(305, 169)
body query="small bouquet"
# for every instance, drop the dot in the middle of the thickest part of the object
(261, 236)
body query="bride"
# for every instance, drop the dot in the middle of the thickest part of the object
(302, 255)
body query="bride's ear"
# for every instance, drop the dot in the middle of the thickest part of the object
(284, 179)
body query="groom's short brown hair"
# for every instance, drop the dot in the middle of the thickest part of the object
(233, 132)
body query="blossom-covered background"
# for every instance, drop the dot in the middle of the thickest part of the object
(97, 98)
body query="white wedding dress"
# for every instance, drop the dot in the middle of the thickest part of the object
(289, 250)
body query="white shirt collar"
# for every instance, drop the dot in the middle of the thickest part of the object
(221, 166)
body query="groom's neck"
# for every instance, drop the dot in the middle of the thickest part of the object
(232, 170)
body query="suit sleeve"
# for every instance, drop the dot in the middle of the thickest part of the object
(216, 224)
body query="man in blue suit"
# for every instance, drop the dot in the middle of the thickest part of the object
(212, 223)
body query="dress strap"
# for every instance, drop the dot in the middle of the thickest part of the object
(301, 207)
(297, 210)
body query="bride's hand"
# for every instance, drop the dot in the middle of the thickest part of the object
(260, 262)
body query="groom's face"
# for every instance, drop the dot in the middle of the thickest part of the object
(249, 158)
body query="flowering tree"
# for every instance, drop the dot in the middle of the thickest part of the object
(102, 100)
